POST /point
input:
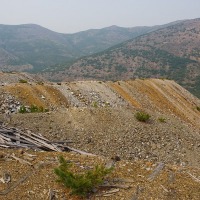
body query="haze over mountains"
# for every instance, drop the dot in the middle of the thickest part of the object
(172, 52)
(168, 51)
(147, 129)
(33, 47)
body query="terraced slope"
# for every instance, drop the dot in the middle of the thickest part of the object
(171, 52)
(163, 96)
(99, 117)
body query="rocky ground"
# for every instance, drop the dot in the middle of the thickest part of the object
(98, 117)
(110, 132)
(132, 180)
(15, 77)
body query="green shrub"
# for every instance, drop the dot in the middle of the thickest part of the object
(40, 83)
(22, 109)
(162, 119)
(95, 104)
(46, 110)
(198, 108)
(142, 116)
(23, 81)
(80, 183)
(32, 109)
(107, 104)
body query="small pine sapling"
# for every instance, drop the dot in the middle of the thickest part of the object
(81, 184)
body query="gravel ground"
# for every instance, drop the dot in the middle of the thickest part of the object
(139, 178)
(99, 117)
(110, 132)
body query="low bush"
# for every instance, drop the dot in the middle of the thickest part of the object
(95, 104)
(22, 109)
(40, 83)
(23, 81)
(80, 183)
(32, 109)
(142, 116)
(162, 119)
(198, 108)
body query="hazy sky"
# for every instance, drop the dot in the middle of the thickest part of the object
(68, 16)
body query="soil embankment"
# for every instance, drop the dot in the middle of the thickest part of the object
(99, 117)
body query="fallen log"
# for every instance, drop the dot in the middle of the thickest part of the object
(193, 177)
(4, 146)
(41, 142)
(28, 146)
(79, 151)
(39, 137)
(116, 186)
(6, 131)
(156, 171)
(1, 140)
(5, 138)
(21, 160)
(15, 138)
(59, 142)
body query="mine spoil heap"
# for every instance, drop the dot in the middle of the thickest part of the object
(93, 122)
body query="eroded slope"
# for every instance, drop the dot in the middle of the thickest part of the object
(99, 117)
(158, 95)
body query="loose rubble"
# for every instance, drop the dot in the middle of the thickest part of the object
(8, 104)
(98, 118)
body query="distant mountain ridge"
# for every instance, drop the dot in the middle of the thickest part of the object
(172, 52)
(32, 47)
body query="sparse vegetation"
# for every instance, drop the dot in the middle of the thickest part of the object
(198, 108)
(22, 109)
(80, 183)
(40, 83)
(95, 104)
(162, 119)
(138, 146)
(23, 81)
(107, 104)
(32, 109)
(142, 116)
